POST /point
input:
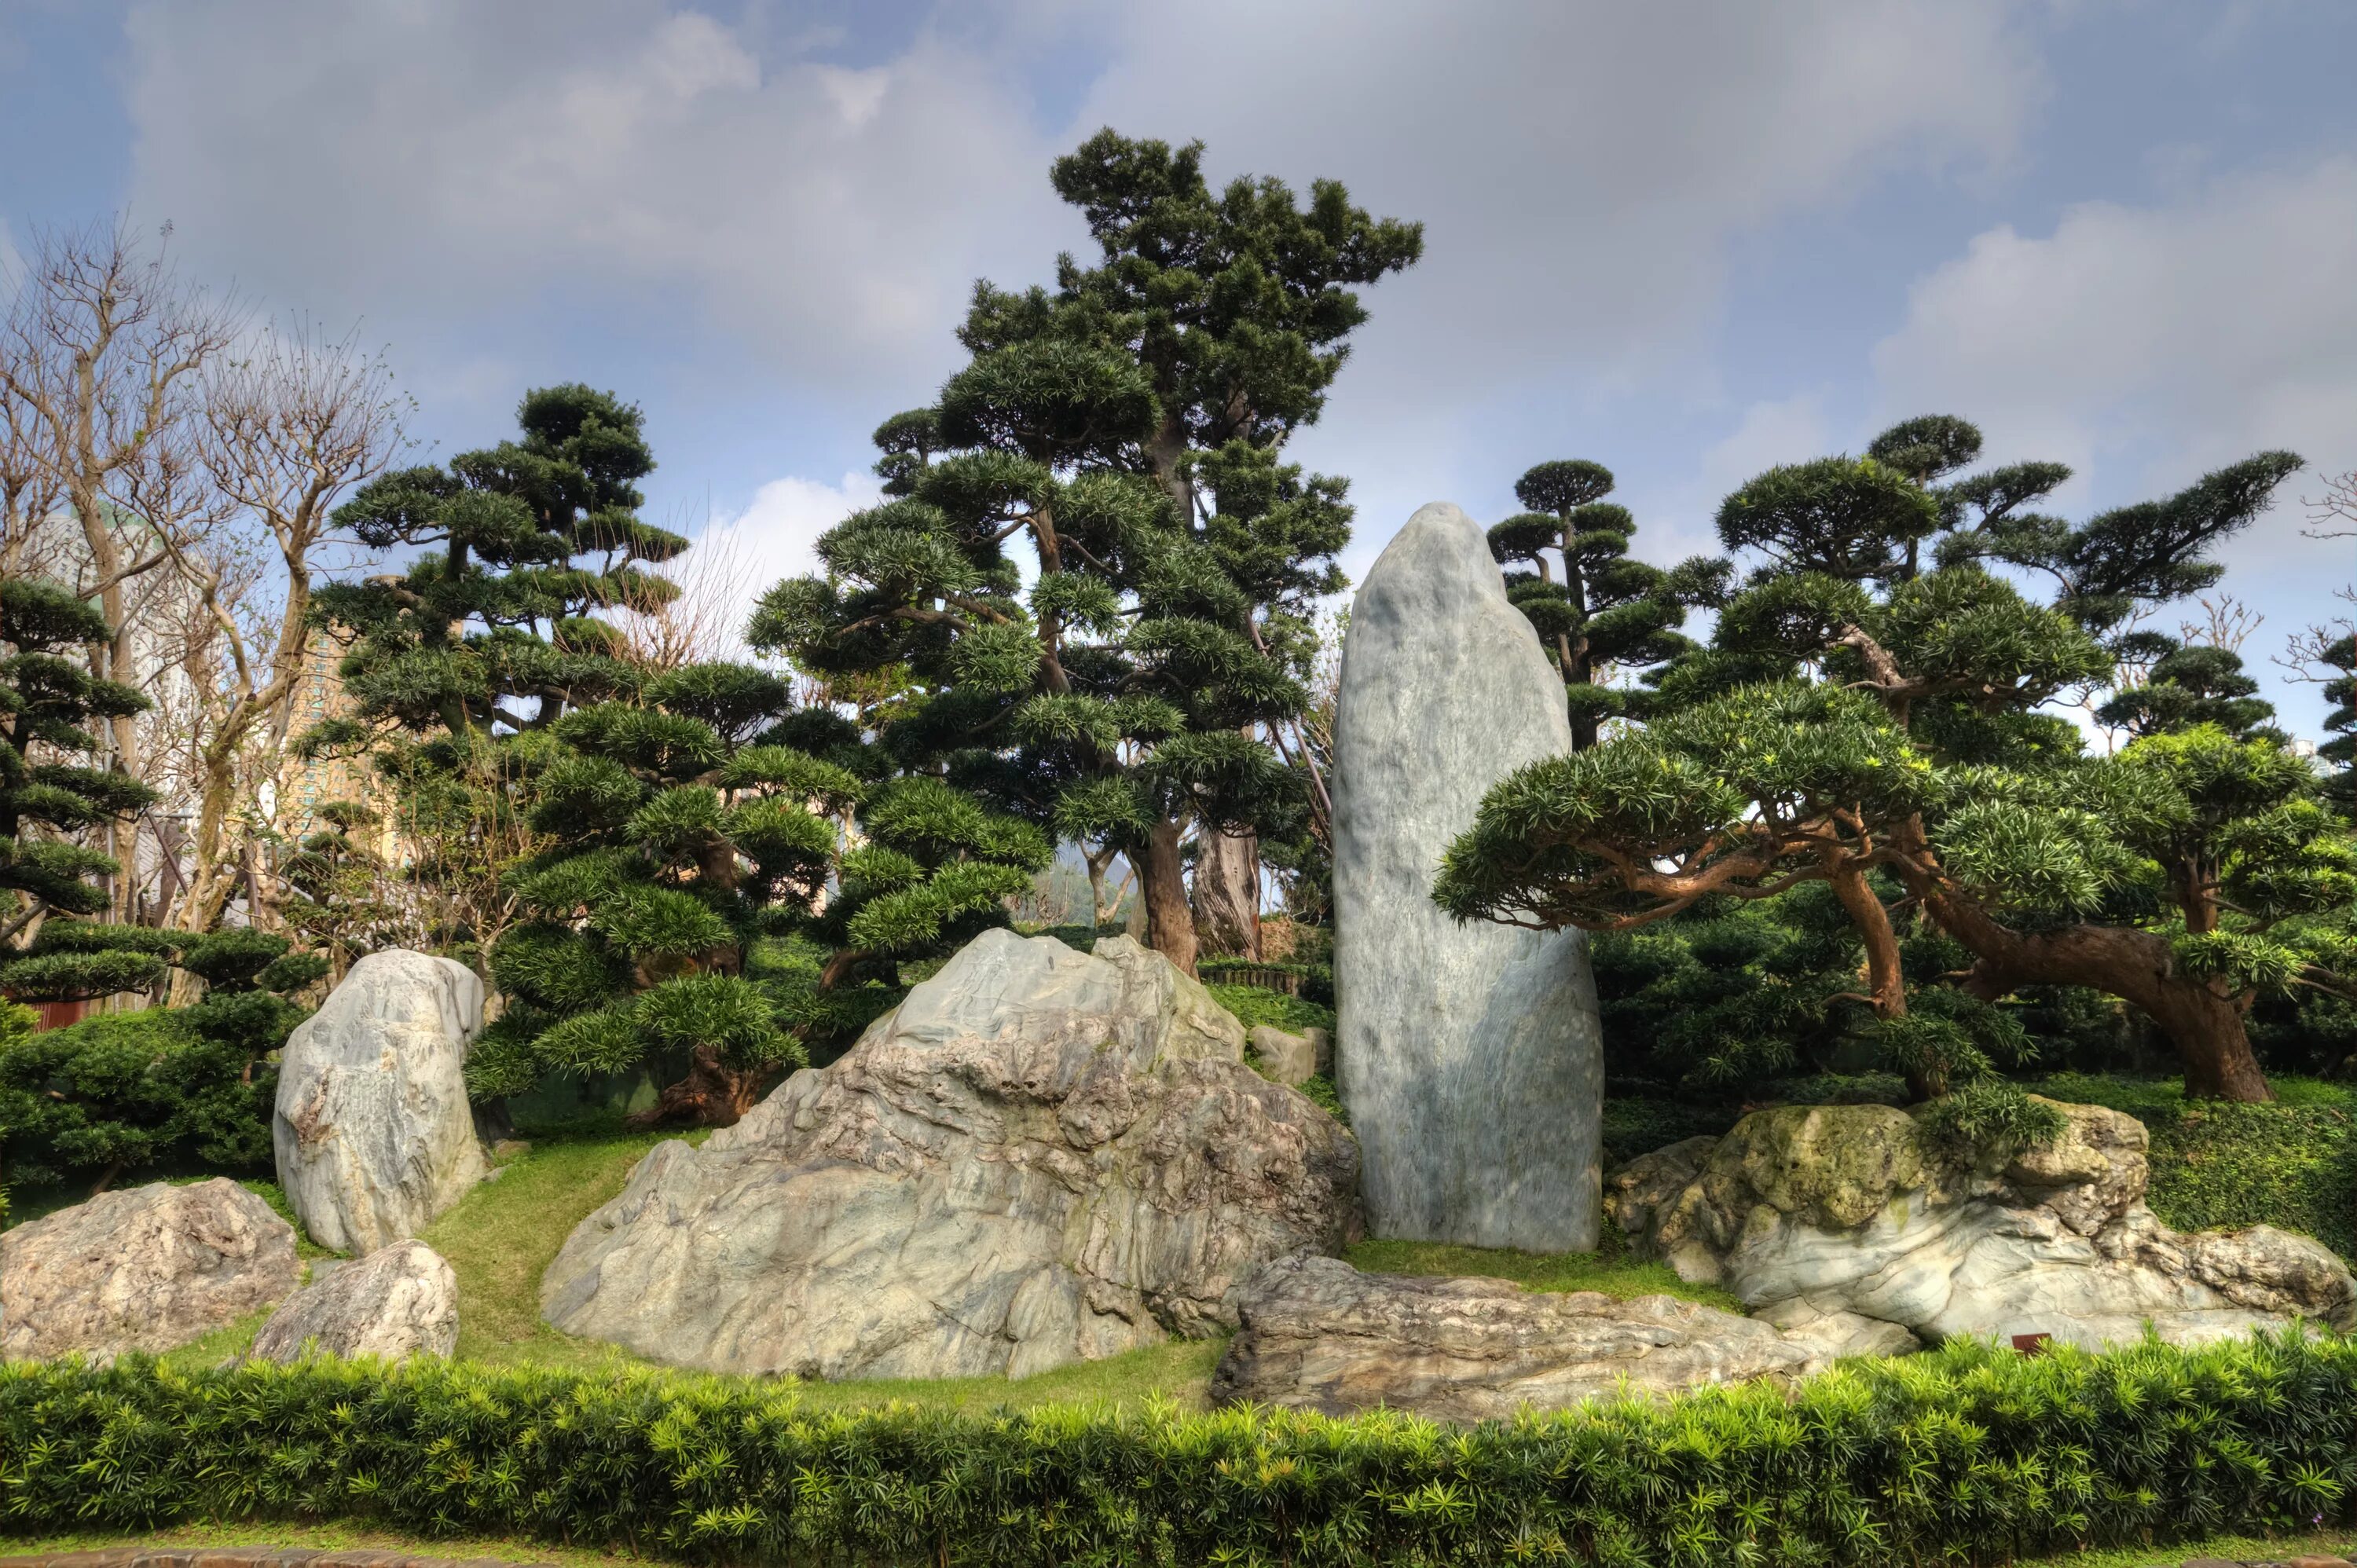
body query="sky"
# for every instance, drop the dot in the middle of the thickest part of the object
(1688, 239)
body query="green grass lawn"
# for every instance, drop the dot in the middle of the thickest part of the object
(1608, 1269)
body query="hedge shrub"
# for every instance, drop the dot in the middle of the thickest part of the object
(1967, 1454)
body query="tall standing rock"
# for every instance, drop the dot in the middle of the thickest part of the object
(373, 1132)
(1469, 1055)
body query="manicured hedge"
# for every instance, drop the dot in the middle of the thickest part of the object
(1968, 1454)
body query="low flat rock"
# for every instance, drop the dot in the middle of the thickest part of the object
(1319, 1335)
(147, 1269)
(399, 1301)
(1824, 1215)
(372, 1131)
(1041, 1157)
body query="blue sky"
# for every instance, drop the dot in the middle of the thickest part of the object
(1685, 239)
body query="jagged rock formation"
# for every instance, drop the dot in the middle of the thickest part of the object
(1469, 1055)
(1041, 1157)
(397, 1302)
(373, 1134)
(151, 1268)
(1831, 1220)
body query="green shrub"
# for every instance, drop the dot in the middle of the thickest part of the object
(1638, 1126)
(1965, 1454)
(2221, 1166)
(1988, 1116)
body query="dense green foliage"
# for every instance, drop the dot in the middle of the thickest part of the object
(1607, 615)
(1966, 1454)
(1124, 430)
(1866, 718)
(160, 1088)
(51, 796)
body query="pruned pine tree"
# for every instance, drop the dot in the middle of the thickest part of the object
(1606, 613)
(2339, 753)
(1121, 432)
(687, 832)
(1867, 716)
(2185, 685)
(52, 798)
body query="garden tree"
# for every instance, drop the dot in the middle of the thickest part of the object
(684, 829)
(284, 431)
(2339, 753)
(51, 795)
(336, 889)
(102, 348)
(2187, 683)
(1861, 717)
(457, 665)
(1123, 430)
(1606, 610)
(140, 1091)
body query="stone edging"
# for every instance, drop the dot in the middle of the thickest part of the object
(248, 1557)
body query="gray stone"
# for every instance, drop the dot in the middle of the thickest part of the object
(1469, 1055)
(373, 1134)
(1319, 1335)
(1818, 1216)
(399, 1301)
(1041, 1157)
(151, 1268)
(1287, 1057)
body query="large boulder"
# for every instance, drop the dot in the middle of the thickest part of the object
(1041, 1157)
(1820, 1217)
(373, 1132)
(1469, 1055)
(1319, 1335)
(399, 1301)
(151, 1268)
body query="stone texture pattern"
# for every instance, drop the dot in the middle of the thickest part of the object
(399, 1301)
(1469, 1055)
(1319, 1335)
(151, 1268)
(1041, 1157)
(373, 1134)
(1819, 1217)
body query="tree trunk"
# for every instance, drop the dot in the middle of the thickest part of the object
(1162, 875)
(2139, 967)
(1886, 981)
(712, 1094)
(1227, 894)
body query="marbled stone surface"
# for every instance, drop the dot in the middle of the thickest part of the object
(399, 1301)
(1819, 1217)
(1041, 1157)
(1469, 1055)
(373, 1134)
(150, 1268)
(1319, 1335)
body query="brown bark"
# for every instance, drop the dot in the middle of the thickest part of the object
(1227, 894)
(712, 1094)
(2140, 967)
(1886, 981)
(1162, 876)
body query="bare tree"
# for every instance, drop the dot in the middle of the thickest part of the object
(100, 352)
(284, 431)
(2226, 622)
(705, 622)
(2333, 514)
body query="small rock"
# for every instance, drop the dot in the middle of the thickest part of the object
(1321, 1048)
(1284, 1058)
(152, 1268)
(1319, 1335)
(399, 1301)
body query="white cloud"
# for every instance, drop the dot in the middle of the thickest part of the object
(446, 159)
(2145, 344)
(737, 559)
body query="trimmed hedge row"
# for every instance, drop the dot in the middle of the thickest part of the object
(1965, 1454)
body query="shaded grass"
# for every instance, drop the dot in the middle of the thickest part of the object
(1179, 1372)
(1608, 1269)
(298, 1535)
(2226, 1548)
(1254, 1006)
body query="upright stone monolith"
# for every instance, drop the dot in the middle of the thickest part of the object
(1469, 1055)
